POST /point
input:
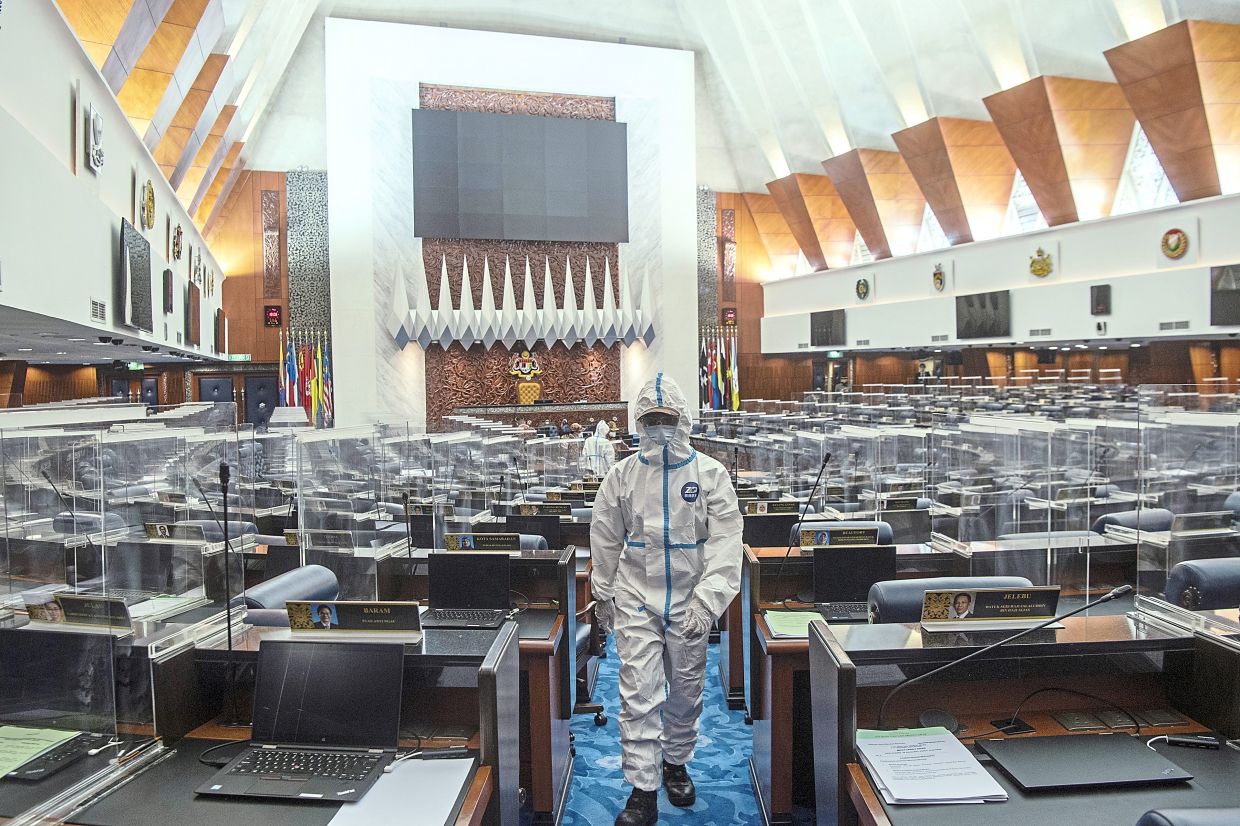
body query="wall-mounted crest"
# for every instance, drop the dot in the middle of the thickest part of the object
(94, 139)
(863, 289)
(1040, 264)
(147, 205)
(178, 238)
(1174, 244)
(938, 278)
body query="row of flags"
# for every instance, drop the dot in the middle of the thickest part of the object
(719, 386)
(306, 375)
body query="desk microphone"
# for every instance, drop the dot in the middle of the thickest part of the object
(408, 522)
(779, 574)
(947, 720)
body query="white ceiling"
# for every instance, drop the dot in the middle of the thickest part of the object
(41, 339)
(781, 84)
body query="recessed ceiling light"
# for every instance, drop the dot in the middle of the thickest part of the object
(25, 349)
(76, 339)
(62, 354)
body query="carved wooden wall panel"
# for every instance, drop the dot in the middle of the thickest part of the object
(459, 378)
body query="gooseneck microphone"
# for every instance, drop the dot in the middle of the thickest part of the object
(779, 574)
(882, 710)
(225, 476)
(404, 494)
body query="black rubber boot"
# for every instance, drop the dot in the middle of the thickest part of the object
(641, 810)
(680, 791)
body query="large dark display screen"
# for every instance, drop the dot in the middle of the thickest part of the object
(984, 315)
(519, 177)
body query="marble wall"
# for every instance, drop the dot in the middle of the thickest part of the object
(707, 258)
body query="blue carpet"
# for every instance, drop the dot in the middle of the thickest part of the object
(720, 767)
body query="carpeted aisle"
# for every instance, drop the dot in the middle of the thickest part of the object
(719, 768)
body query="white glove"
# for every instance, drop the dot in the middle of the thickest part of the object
(697, 620)
(605, 615)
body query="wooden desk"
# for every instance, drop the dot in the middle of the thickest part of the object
(1131, 661)
(546, 756)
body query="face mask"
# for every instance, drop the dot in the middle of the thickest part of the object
(660, 434)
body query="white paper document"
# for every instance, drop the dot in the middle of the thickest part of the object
(925, 765)
(417, 791)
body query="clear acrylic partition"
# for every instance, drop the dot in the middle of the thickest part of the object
(458, 479)
(1190, 461)
(58, 675)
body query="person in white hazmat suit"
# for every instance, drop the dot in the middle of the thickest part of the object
(597, 453)
(665, 540)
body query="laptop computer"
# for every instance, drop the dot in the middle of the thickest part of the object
(309, 741)
(843, 577)
(467, 590)
(1081, 761)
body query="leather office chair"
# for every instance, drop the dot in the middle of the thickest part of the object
(583, 514)
(533, 542)
(1205, 584)
(1146, 519)
(900, 600)
(264, 603)
(1232, 503)
(794, 534)
(1190, 817)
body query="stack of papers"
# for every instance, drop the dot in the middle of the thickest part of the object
(925, 765)
(791, 623)
(19, 745)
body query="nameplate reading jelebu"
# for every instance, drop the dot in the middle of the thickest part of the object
(989, 609)
(838, 537)
(777, 506)
(482, 542)
(379, 617)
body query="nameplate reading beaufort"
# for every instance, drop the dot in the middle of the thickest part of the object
(381, 617)
(482, 542)
(838, 537)
(778, 506)
(989, 609)
(101, 612)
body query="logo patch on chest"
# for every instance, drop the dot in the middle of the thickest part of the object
(690, 491)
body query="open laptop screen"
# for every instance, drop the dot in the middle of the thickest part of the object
(464, 580)
(328, 694)
(845, 574)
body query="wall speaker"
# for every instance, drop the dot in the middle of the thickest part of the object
(1100, 299)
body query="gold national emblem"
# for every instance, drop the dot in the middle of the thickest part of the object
(1040, 263)
(863, 289)
(1175, 243)
(939, 278)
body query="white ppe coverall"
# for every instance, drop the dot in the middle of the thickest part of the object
(597, 453)
(666, 531)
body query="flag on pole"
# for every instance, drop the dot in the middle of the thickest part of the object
(320, 414)
(305, 371)
(719, 379)
(283, 373)
(703, 376)
(736, 376)
(329, 411)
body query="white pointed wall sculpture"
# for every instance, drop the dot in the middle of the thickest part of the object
(445, 316)
(506, 316)
(645, 330)
(421, 316)
(609, 317)
(570, 317)
(467, 316)
(628, 312)
(488, 318)
(398, 310)
(549, 318)
(530, 326)
(589, 312)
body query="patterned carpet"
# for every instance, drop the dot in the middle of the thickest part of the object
(719, 768)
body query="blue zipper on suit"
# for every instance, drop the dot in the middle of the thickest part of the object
(667, 520)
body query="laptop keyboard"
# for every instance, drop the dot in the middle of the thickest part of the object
(480, 616)
(845, 610)
(296, 764)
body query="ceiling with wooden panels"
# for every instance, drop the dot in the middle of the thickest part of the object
(782, 85)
